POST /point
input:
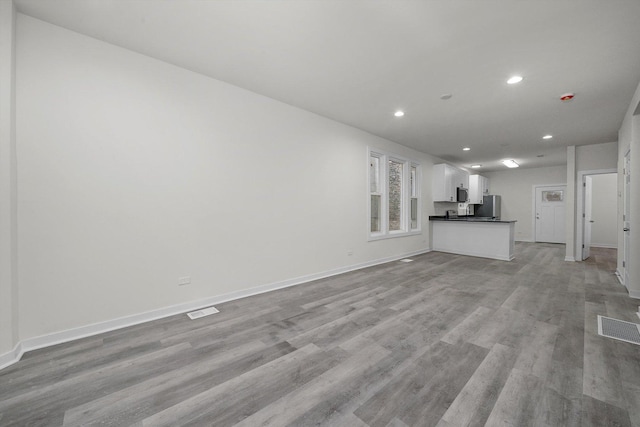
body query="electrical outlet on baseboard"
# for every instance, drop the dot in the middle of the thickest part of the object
(184, 280)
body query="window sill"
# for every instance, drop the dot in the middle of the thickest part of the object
(393, 235)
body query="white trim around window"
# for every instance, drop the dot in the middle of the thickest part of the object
(393, 195)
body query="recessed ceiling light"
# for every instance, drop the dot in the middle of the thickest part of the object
(399, 113)
(445, 96)
(466, 149)
(475, 166)
(547, 137)
(510, 163)
(514, 79)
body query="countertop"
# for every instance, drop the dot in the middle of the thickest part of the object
(469, 219)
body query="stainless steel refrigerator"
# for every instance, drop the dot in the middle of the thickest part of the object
(490, 207)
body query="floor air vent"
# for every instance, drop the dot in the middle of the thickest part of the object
(619, 330)
(202, 313)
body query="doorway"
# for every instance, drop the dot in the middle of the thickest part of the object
(550, 213)
(596, 215)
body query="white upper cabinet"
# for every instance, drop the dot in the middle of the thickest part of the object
(478, 187)
(461, 179)
(446, 179)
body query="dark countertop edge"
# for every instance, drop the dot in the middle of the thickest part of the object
(469, 219)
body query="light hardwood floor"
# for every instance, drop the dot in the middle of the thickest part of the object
(444, 341)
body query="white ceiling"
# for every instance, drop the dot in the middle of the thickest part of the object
(357, 61)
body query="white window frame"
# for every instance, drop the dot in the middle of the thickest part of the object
(383, 179)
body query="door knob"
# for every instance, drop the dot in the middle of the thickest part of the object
(591, 220)
(625, 229)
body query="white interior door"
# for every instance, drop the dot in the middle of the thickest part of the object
(588, 219)
(550, 214)
(626, 219)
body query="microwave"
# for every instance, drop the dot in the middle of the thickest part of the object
(462, 195)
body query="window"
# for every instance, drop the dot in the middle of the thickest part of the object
(414, 196)
(552, 196)
(394, 196)
(376, 195)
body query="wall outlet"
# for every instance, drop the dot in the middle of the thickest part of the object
(184, 280)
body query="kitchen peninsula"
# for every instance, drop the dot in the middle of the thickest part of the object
(480, 237)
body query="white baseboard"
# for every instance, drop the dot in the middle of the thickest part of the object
(476, 254)
(619, 276)
(525, 240)
(569, 258)
(60, 337)
(634, 294)
(11, 357)
(604, 245)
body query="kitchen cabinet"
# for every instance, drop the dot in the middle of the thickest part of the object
(461, 178)
(446, 180)
(478, 187)
(486, 239)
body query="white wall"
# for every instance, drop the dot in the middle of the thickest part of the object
(629, 139)
(8, 188)
(516, 188)
(634, 206)
(134, 172)
(596, 156)
(570, 205)
(604, 230)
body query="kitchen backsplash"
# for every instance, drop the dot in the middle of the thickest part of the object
(441, 208)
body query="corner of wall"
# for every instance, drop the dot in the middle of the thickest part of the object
(8, 186)
(570, 228)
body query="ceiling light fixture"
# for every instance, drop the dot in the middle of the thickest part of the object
(466, 149)
(510, 163)
(547, 137)
(399, 113)
(475, 166)
(514, 79)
